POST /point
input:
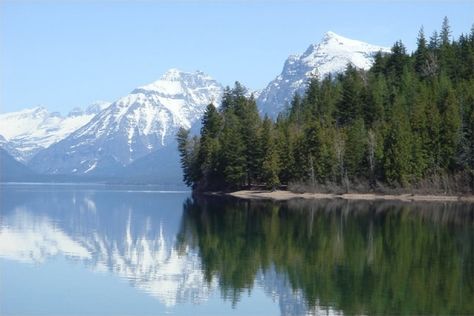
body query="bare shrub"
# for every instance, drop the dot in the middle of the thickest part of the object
(440, 184)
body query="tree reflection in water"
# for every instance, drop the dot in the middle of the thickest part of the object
(355, 257)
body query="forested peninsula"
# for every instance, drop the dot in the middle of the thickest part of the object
(405, 125)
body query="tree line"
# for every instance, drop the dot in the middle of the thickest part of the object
(406, 122)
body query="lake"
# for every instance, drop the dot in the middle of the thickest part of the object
(119, 250)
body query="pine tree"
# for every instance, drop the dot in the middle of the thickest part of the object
(227, 100)
(350, 105)
(421, 54)
(431, 137)
(187, 151)
(269, 167)
(396, 62)
(312, 142)
(296, 109)
(301, 167)
(239, 92)
(285, 145)
(250, 125)
(434, 42)
(445, 34)
(211, 122)
(371, 157)
(311, 101)
(208, 156)
(418, 122)
(378, 67)
(318, 152)
(339, 148)
(446, 53)
(450, 131)
(232, 158)
(356, 150)
(465, 156)
(408, 85)
(398, 147)
(329, 94)
(466, 62)
(471, 34)
(375, 100)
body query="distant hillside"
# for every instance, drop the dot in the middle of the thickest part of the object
(11, 169)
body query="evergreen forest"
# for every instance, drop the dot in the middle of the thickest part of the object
(407, 123)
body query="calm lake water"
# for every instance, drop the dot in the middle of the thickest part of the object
(99, 250)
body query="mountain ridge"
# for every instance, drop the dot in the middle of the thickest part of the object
(124, 136)
(133, 126)
(31, 130)
(330, 56)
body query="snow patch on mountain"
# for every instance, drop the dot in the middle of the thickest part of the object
(10, 149)
(330, 56)
(31, 130)
(133, 126)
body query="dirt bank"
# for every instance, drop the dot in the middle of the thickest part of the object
(286, 195)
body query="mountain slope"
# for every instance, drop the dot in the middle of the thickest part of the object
(11, 169)
(31, 130)
(133, 126)
(330, 56)
(161, 166)
(10, 148)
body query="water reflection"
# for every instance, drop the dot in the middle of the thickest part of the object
(327, 257)
(355, 258)
(125, 233)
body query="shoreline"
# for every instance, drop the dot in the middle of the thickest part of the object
(280, 195)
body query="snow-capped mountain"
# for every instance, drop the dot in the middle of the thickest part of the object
(133, 126)
(330, 56)
(28, 131)
(105, 138)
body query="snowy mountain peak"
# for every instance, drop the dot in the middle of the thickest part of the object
(335, 42)
(135, 125)
(331, 36)
(31, 130)
(97, 106)
(173, 74)
(92, 109)
(176, 83)
(331, 55)
(36, 110)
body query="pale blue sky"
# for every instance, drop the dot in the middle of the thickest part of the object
(63, 54)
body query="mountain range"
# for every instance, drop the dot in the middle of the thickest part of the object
(32, 130)
(135, 135)
(135, 125)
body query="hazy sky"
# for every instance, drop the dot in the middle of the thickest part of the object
(63, 54)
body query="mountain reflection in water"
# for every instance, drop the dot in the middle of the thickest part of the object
(310, 257)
